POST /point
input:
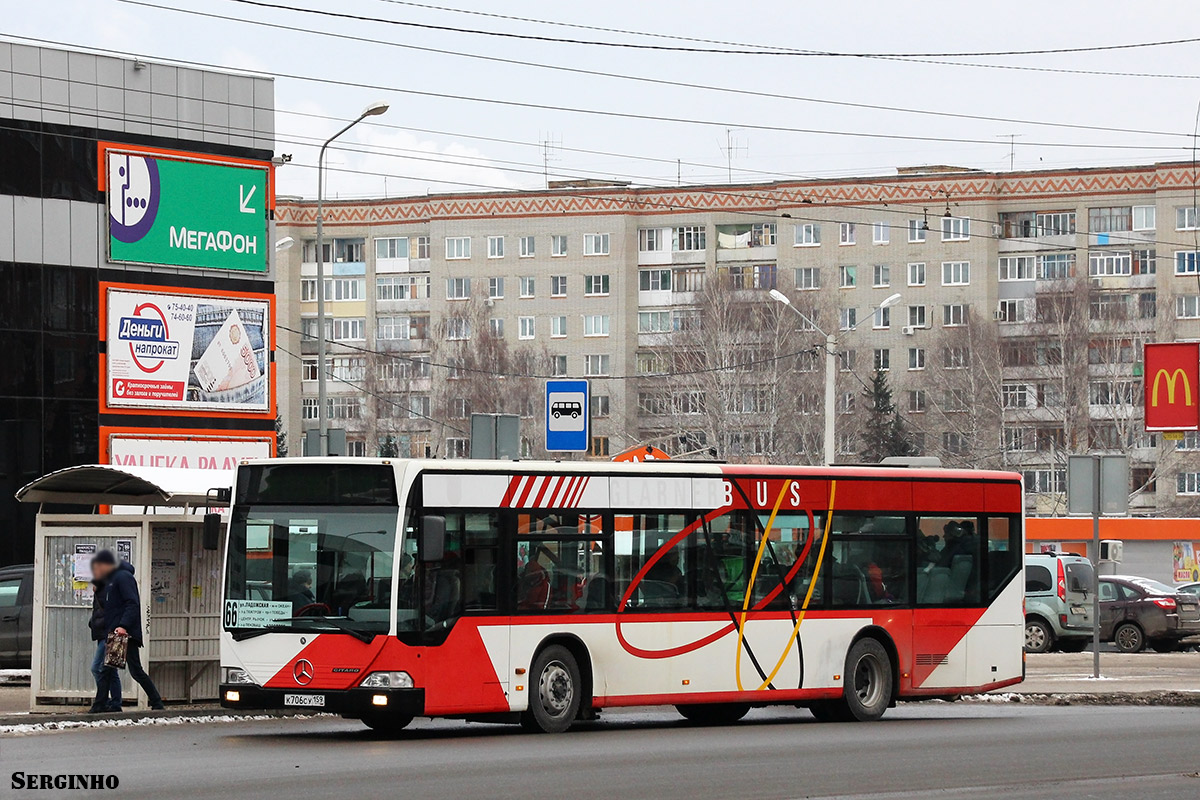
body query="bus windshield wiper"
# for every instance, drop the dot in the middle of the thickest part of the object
(342, 626)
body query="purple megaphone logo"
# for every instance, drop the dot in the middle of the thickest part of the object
(133, 194)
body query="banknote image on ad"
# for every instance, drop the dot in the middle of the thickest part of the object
(187, 352)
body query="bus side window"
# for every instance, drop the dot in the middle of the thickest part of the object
(561, 575)
(640, 538)
(948, 561)
(1004, 554)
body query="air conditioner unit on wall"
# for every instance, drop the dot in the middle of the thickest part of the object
(1112, 550)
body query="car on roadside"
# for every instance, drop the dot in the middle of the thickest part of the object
(1190, 588)
(16, 616)
(1136, 612)
(1058, 602)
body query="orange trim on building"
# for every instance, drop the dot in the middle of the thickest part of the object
(1146, 529)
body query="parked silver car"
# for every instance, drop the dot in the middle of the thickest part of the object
(1058, 602)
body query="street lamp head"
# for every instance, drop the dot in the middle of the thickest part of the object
(284, 244)
(375, 109)
(890, 301)
(780, 297)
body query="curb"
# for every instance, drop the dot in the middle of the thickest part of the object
(180, 714)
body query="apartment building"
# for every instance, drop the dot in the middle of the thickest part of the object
(1025, 300)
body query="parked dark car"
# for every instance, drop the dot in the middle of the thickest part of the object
(16, 616)
(1136, 611)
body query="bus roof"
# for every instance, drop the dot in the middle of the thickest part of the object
(666, 468)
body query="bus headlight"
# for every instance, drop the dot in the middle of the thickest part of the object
(387, 680)
(235, 675)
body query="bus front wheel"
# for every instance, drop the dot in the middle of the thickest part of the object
(555, 690)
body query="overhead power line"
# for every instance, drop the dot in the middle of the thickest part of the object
(740, 50)
(741, 92)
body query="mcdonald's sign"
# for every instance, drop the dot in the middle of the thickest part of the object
(1172, 390)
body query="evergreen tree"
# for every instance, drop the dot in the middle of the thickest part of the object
(389, 447)
(281, 442)
(884, 433)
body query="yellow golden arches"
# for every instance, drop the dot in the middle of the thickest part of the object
(807, 597)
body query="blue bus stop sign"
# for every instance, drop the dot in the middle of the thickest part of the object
(567, 416)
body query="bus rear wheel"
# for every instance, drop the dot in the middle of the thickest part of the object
(867, 686)
(387, 724)
(713, 713)
(555, 691)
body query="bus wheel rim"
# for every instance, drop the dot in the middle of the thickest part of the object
(556, 688)
(867, 683)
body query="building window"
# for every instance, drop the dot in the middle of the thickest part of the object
(595, 244)
(916, 358)
(1014, 395)
(345, 407)
(558, 285)
(916, 274)
(1187, 483)
(956, 229)
(423, 247)
(1018, 268)
(495, 288)
(881, 319)
(847, 277)
(846, 360)
(1144, 218)
(654, 322)
(1187, 262)
(396, 247)
(599, 406)
(419, 406)
(916, 230)
(1145, 262)
(525, 327)
(846, 233)
(457, 447)
(1056, 266)
(955, 357)
(916, 401)
(883, 359)
(558, 246)
(526, 247)
(1185, 219)
(595, 325)
(458, 247)
(954, 314)
(595, 285)
(460, 408)
(558, 327)
(654, 280)
(558, 366)
(309, 369)
(595, 365)
(881, 232)
(808, 235)
(496, 326)
(1187, 306)
(847, 318)
(598, 446)
(335, 289)
(308, 408)
(458, 288)
(495, 247)
(348, 329)
(881, 276)
(808, 277)
(690, 237)
(458, 329)
(1110, 219)
(652, 240)
(1012, 310)
(956, 273)
(916, 317)
(527, 286)
(1110, 262)
(400, 328)
(402, 287)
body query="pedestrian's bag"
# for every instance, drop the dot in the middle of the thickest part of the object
(115, 647)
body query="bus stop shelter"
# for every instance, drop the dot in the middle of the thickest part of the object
(154, 521)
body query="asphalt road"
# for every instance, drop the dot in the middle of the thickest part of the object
(947, 751)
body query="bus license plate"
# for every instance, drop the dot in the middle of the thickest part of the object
(304, 700)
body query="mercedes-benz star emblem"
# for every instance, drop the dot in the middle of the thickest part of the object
(303, 672)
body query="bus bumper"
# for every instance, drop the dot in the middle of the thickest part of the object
(347, 702)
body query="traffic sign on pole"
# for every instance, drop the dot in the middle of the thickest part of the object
(567, 410)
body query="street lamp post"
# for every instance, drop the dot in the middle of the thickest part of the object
(373, 110)
(829, 445)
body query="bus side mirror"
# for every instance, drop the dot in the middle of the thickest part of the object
(211, 539)
(433, 538)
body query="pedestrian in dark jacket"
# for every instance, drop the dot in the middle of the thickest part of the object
(123, 615)
(108, 683)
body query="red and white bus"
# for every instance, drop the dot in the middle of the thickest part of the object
(545, 592)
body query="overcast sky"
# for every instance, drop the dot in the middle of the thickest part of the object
(455, 162)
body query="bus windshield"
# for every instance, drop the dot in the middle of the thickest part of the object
(309, 564)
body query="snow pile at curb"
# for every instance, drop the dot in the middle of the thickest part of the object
(14, 676)
(75, 724)
(1162, 698)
